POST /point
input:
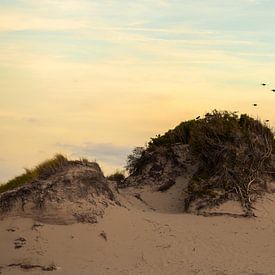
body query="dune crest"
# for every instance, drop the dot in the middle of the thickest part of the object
(77, 193)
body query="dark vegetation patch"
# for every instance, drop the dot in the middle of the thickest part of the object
(137, 160)
(118, 177)
(234, 156)
(158, 166)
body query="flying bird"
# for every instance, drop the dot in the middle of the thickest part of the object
(255, 104)
(273, 90)
(263, 84)
(198, 117)
(267, 120)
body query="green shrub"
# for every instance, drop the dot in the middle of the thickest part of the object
(181, 134)
(234, 152)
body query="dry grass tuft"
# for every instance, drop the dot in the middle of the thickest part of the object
(41, 171)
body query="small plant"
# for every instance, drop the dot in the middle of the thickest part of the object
(85, 161)
(136, 160)
(118, 177)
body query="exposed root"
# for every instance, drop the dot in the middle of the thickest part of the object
(33, 266)
(216, 214)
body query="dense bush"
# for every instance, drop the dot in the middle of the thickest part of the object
(233, 152)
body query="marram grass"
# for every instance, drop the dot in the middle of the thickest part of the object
(42, 170)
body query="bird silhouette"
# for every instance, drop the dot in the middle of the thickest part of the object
(197, 117)
(255, 104)
(267, 120)
(263, 84)
(273, 90)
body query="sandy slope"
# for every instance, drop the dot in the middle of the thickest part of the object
(149, 235)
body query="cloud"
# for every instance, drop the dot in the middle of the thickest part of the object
(11, 21)
(106, 152)
(81, 32)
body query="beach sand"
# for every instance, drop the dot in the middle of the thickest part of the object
(149, 234)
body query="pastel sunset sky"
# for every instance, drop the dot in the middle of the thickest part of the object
(97, 78)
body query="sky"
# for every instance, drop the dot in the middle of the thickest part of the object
(97, 78)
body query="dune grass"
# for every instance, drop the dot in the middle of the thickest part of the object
(41, 171)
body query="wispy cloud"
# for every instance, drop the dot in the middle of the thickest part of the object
(11, 21)
(106, 152)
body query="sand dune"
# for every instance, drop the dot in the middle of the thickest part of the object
(148, 234)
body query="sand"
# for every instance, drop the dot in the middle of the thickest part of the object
(148, 235)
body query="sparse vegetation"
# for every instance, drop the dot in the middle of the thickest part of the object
(234, 154)
(83, 160)
(41, 171)
(136, 160)
(118, 177)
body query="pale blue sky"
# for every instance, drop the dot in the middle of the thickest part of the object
(99, 77)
